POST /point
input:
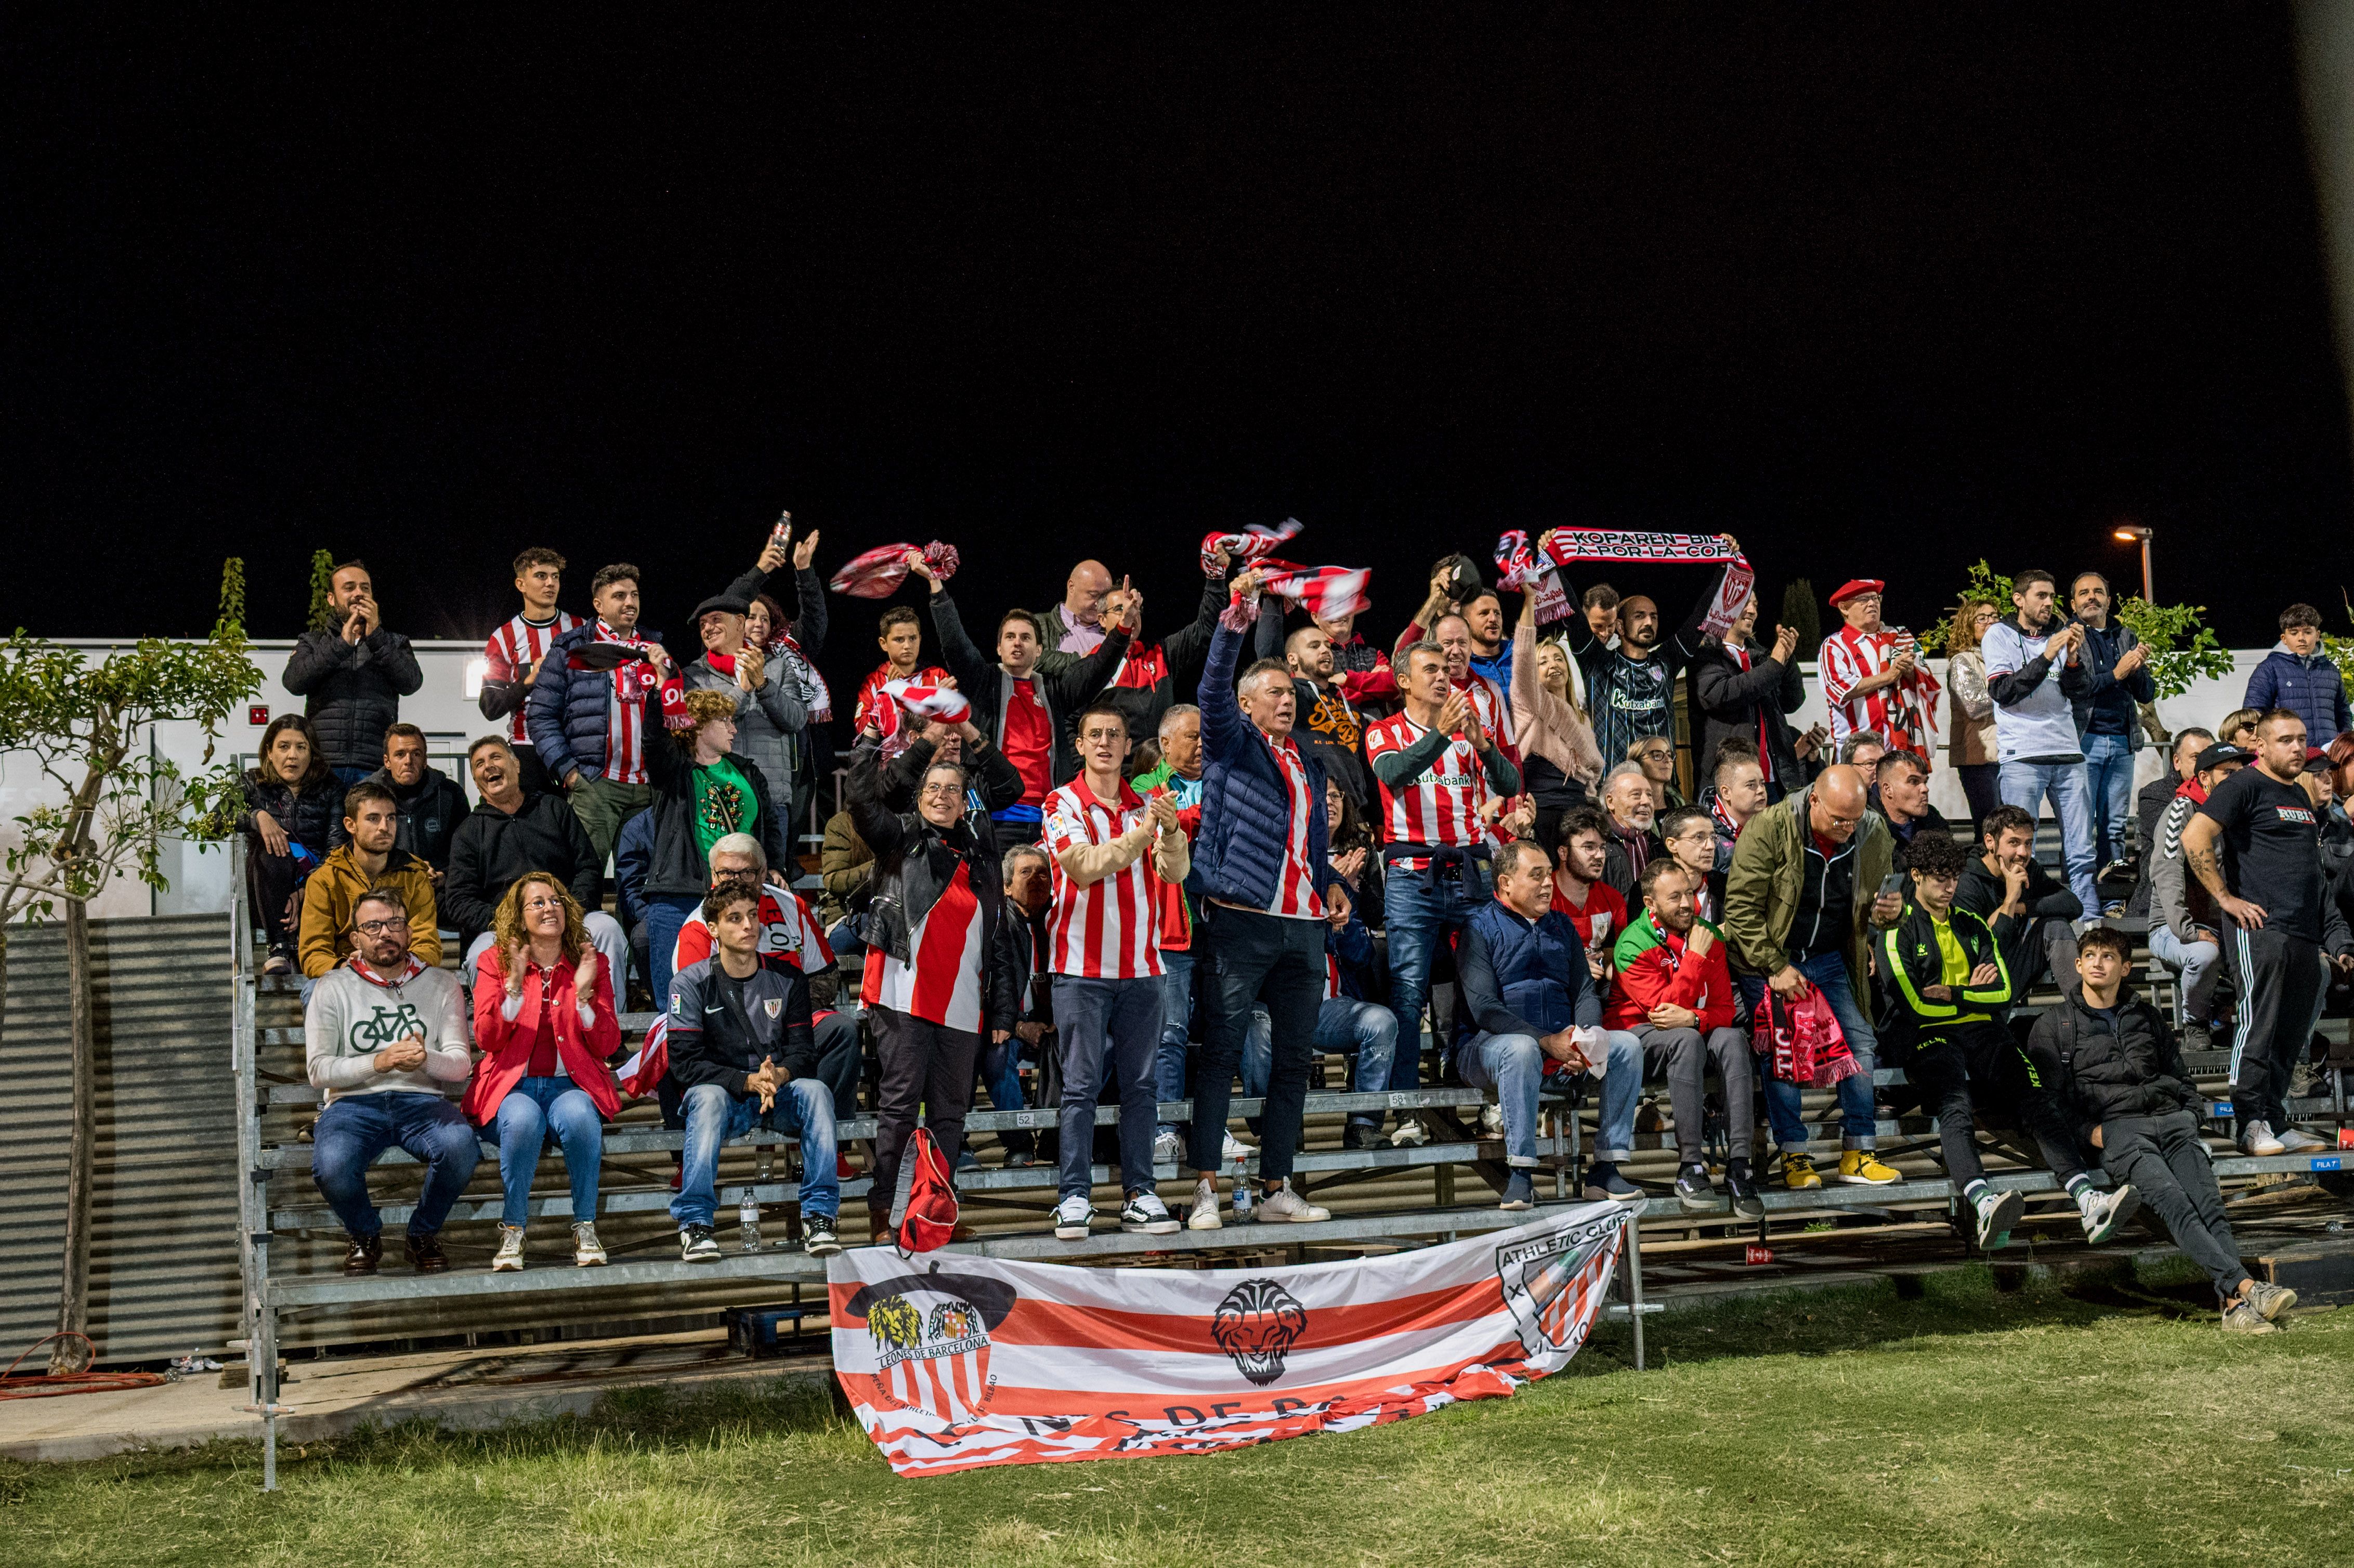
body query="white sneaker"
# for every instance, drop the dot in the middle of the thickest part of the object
(1144, 1213)
(2102, 1213)
(1997, 1213)
(2296, 1140)
(2257, 1140)
(1284, 1206)
(1409, 1134)
(587, 1252)
(1072, 1217)
(1491, 1122)
(1167, 1150)
(510, 1257)
(1232, 1150)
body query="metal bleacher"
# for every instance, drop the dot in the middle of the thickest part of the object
(1381, 1199)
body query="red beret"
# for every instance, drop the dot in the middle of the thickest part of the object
(1854, 586)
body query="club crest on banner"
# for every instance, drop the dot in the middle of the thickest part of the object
(1258, 1324)
(931, 1341)
(1546, 1280)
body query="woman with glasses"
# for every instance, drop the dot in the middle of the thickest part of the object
(1656, 756)
(544, 1018)
(931, 933)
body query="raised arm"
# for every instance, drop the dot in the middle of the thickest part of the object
(862, 792)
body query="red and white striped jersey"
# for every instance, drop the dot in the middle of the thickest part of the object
(942, 985)
(1107, 930)
(789, 932)
(625, 756)
(1442, 806)
(1848, 659)
(1297, 896)
(513, 648)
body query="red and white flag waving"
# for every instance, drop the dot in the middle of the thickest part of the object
(944, 703)
(963, 1360)
(1326, 591)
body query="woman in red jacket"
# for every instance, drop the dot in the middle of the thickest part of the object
(544, 1018)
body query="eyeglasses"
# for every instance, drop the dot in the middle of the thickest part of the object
(378, 927)
(536, 904)
(942, 791)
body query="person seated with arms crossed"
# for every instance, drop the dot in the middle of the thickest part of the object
(367, 859)
(292, 809)
(1950, 999)
(2124, 1087)
(544, 1017)
(2006, 879)
(381, 1036)
(1528, 1001)
(431, 805)
(512, 830)
(1674, 994)
(741, 1051)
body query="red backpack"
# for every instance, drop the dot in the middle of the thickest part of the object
(924, 1212)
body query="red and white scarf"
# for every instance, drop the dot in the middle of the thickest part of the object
(878, 573)
(1255, 543)
(1327, 592)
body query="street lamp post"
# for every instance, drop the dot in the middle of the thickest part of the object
(2132, 533)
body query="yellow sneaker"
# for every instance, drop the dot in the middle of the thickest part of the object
(1798, 1173)
(1858, 1168)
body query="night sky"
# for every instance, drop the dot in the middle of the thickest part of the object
(1880, 292)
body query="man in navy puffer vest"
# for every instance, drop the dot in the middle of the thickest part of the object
(1261, 859)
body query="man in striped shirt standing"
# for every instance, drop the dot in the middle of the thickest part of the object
(511, 658)
(1435, 764)
(1111, 851)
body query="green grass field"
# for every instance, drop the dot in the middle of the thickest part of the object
(1963, 1426)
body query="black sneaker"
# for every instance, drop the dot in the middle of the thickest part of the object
(696, 1244)
(1742, 1188)
(1361, 1135)
(363, 1253)
(425, 1253)
(1520, 1192)
(817, 1235)
(1694, 1192)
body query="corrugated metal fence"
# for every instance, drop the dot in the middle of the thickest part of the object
(164, 1268)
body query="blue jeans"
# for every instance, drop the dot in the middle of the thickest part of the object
(350, 1134)
(1417, 906)
(1364, 1030)
(2108, 776)
(1176, 1029)
(1115, 1025)
(1513, 1065)
(1000, 1075)
(525, 1117)
(1622, 1088)
(804, 1111)
(1829, 973)
(2025, 784)
(666, 916)
(2191, 962)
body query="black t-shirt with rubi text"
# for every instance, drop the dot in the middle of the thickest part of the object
(2272, 849)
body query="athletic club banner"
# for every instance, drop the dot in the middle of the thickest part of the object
(953, 1361)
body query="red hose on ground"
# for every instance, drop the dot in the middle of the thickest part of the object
(50, 1385)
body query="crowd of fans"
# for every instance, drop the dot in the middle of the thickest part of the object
(1094, 866)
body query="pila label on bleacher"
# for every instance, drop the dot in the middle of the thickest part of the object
(953, 1361)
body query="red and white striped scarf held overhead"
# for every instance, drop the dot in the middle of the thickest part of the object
(1562, 546)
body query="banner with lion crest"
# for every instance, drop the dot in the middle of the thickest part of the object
(953, 1361)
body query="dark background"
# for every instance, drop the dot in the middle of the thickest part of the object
(1880, 292)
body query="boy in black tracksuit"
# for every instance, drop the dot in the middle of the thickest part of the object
(1949, 992)
(2122, 1084)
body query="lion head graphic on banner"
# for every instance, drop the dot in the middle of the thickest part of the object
(1258, 1324)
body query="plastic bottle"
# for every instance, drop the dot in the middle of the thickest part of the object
(748, 1223)
(1242, 1191)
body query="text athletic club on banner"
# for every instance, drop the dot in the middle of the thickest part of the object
(953, 1361)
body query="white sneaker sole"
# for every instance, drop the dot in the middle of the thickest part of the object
(1072, 1233)
(1994, 1224)
(2125, 1203)
(1866, 1181)
(506, 1265)
(2263, 1150)
(588, 1260)
(1308, 1217)
(1149, 1227)
(700, 1257)
(824, 1249)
